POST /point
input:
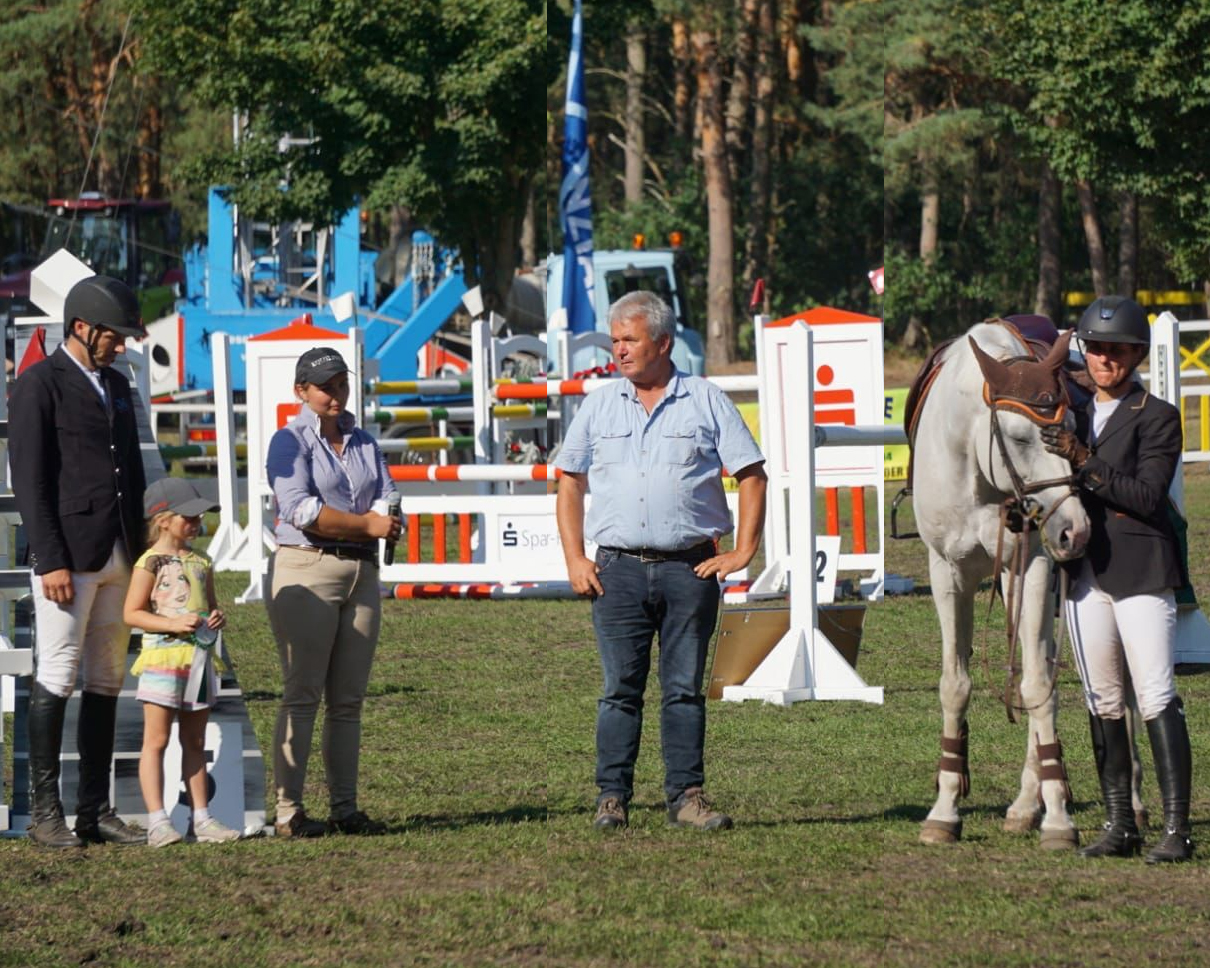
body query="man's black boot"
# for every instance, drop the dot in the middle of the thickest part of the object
(1111, 746)
(96, 820)
(46, 713)
(1174, 769)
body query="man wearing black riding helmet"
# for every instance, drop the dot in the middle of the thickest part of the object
(1121, 607)
(78, 482)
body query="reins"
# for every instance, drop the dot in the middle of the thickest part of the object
(1021, 514)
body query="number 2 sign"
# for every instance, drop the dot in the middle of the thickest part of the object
(827, 553)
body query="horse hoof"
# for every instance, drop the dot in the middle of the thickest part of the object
(941, 831)
(1022, 825)
(1062, 838)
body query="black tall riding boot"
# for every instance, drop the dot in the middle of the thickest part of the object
(1111, 747)
(1174, 769)
(96, 820)
(46, 713)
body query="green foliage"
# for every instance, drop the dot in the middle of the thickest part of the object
(825, 224)
(79, 115)
(1122, 104)
(852, 48)
(410, 102)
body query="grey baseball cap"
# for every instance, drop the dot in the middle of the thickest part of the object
(318, 366)
(177, 495)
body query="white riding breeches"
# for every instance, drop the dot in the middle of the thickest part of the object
(88, 634)
(1111, 637)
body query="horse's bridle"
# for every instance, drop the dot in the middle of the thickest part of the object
(1022, 513)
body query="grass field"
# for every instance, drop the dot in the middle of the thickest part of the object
(479, 753)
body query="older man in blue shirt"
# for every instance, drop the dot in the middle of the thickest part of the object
(652, 449)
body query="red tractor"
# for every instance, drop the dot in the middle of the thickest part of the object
(134, 240)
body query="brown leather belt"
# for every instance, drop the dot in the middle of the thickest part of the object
(700, 551)
(344, 552)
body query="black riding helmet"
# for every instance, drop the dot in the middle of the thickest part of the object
(103, 301)
(1115, 319)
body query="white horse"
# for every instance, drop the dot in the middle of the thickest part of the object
(976, 447)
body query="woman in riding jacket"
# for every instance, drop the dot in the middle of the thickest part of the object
(1121, 605)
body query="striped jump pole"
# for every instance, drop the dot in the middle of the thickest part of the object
(417, 415)
(482, 473)
(839, 435)
(437, 386)
(423, 445)
(514, 411)
(496, 591)
(171, 452)
(542, 390)
(501, 591)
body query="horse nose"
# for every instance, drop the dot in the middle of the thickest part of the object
(1073, 539)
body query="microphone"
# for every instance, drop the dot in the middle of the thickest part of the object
(388, 553)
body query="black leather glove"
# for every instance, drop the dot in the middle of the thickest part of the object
(1066, 444)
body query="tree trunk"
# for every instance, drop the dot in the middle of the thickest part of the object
(1048, 297)
(494, 244)
(529, 227)
(1092, 234)
(930, 211)
(101, 68)
(1128, 245)
(759, 224)
(720, 270)
(916, 336)
(77, 117)
(150, 135)
(682, 98)
(791, 45)
(636, 75)
(739, 97)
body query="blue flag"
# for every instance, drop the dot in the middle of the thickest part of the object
(575, 202)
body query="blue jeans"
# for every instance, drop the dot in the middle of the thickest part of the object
(641, 600)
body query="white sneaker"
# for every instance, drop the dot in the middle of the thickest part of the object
(212, 831)
(163, 834)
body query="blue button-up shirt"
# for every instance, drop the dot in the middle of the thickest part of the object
(306, 474)
(656, 478)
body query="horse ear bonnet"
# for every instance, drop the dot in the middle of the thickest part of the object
(1115, 319)
(1035, 383)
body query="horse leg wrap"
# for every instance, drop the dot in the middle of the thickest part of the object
(1052, 771)
(954, 760)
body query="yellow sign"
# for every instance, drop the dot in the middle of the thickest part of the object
(751, 413)
(895, 458)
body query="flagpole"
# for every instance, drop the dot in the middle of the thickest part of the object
(575, 199)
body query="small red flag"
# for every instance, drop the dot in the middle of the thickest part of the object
(35, 352)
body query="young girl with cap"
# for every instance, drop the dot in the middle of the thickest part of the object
(171, 598)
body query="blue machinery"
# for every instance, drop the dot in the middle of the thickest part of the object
(250, 279)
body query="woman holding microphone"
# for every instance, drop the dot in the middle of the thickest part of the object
(331, 485)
